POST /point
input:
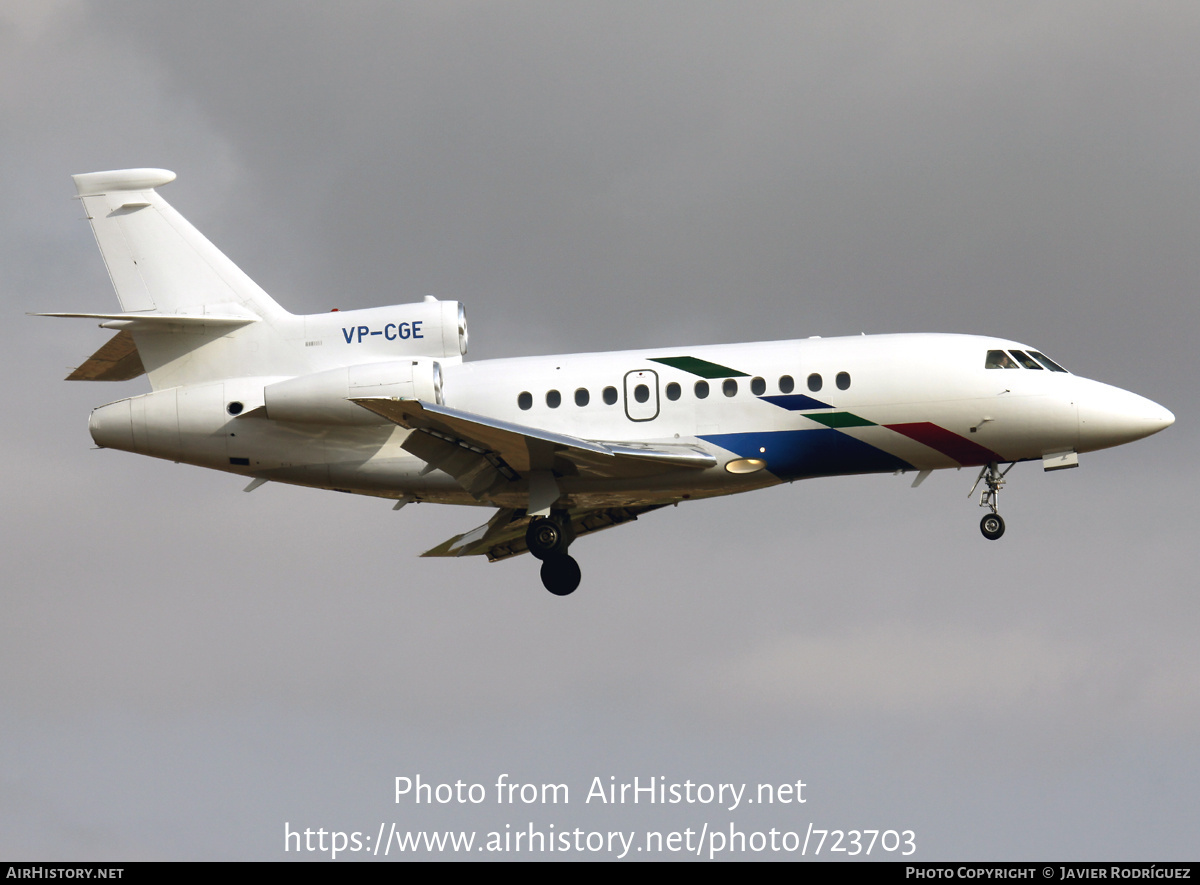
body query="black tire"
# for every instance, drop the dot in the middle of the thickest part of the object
(992, 526)
(561, 575)
(546, 539)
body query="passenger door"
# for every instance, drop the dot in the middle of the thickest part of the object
(641, 395)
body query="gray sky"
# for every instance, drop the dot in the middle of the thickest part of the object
(183, 668)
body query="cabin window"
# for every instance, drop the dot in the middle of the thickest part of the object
(814, 382)
(610, 396)
(701, 389)
(234, 408)
(758, 386)
(786, 384)
(582, 397)
(553, 399)
(843, 380)
(525, 400)
(1024, 359)
(641, 393)
(1047, 362)
(673, 391)
(998, 359)
(729, 388)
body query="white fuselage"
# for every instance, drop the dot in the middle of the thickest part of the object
(883, 403)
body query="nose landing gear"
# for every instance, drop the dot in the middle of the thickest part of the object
(992, 525)
(548, 538)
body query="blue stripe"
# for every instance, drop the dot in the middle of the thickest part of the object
(797, 454)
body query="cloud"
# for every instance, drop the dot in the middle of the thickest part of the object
(913, 671)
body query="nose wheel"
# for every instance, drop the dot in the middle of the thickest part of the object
(992, 525)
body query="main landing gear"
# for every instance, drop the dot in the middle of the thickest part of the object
(992, 525)
(548, 538)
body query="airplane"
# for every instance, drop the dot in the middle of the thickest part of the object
(379, 401)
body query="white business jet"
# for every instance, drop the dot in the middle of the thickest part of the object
(379, 401)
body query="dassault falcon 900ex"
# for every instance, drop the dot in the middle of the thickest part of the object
(380, 402)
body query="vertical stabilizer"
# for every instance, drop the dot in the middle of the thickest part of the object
(156, 259)
(194, 315)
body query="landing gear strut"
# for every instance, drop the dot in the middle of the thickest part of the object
(548, 538)
(992, 525)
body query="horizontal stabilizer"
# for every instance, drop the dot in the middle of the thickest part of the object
(117, 360)
(159, 322)
(504, 534)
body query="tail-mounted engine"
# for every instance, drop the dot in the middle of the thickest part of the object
(429, 328)
(393, 351)
(323, 397)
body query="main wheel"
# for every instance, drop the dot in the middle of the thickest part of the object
(561, 575)
(546, 539)
(992, 526)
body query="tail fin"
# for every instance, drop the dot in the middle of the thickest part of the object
(191, 315)
(156, 259)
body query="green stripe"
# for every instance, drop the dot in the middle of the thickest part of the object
(840, 419)
(703, 368)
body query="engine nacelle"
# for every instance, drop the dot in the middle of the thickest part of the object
(323, 397)
(430, 328)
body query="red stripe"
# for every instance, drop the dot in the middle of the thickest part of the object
(947, 442)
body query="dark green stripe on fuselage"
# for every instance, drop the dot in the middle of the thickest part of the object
(700, 367)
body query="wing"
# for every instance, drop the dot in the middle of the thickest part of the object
(486, 454)
(504, 534)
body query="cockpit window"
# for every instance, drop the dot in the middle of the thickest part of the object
(998, 359)
(1015, 359)
(1047, 362)
(1024, 360)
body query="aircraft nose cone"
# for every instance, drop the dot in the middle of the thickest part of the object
(1109, 416)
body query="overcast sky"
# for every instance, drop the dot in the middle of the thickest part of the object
(184, 668)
